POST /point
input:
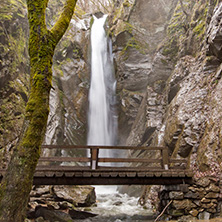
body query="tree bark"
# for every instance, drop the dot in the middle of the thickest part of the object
(17, 183)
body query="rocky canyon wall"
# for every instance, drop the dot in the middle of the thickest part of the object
(181, 103)
(14, 68)
(168, 67)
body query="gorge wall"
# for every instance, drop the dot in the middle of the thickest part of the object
(180, 103)
(168, 68)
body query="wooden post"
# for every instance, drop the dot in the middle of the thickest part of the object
(165, 159)
(94, 158)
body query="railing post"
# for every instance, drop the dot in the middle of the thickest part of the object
(94, 158)
(165, 159)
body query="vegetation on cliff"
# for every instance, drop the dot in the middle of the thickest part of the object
(42, 43)
(14, 67)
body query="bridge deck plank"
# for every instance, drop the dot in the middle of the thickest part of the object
(113, 174)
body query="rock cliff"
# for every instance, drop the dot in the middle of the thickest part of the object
(180, 106)
(14, 68)
(168, 67)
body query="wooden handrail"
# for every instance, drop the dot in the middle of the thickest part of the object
(101, 147)
(164, 160)
(126, 160)
(65, 159)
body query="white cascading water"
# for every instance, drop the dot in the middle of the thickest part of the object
(102, 118)
(102, 122)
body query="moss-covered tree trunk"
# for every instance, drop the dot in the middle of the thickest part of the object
(17, 183)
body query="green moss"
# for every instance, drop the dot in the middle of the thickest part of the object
(171, 49)
(91, 22)
(126, 3)
(199, 30)
(177, 27)
(133, 43)
(165, 62)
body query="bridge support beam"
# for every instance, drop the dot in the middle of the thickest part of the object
(110, 181)
(94, 158)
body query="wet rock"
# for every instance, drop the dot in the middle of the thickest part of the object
(204, 216)
(138, 66)
(65, 205)
(68, 106)
(172, 188)
(80, 214)
(53, 205)
(214, 33)
(194, 212)
(203, 182)
(176, 195)
(204, 200)
(40, 219)
(151, 16)
(176, 213)
(161, 69)
(187, 218)
(213, 188)
(30, 214)
(39, 191)
(194, 195)
(197, 202)
(183, 204)
(118, 203)
(212, 195)
(209, 205)
(77, 195)
(52, 215)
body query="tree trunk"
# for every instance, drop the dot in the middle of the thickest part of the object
(17, 183)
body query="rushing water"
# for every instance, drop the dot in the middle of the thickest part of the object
(102, 116)
(112, 206)
(102, 119)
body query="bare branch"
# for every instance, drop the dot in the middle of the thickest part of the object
(163, 211)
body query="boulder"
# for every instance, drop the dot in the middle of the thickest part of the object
(77, 195)
(75, 214)
(52, 215)
(38, 191)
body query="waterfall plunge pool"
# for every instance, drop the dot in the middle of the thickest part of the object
(113, 206)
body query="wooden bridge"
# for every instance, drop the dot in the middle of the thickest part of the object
(161, 170)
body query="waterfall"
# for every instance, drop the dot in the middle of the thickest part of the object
(102, 117)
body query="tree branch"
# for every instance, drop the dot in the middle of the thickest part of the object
(62, 24)
(36, 12)
(163, 211)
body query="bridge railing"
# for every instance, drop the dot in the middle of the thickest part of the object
(162, 160)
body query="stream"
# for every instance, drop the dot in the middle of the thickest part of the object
(113, 206)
